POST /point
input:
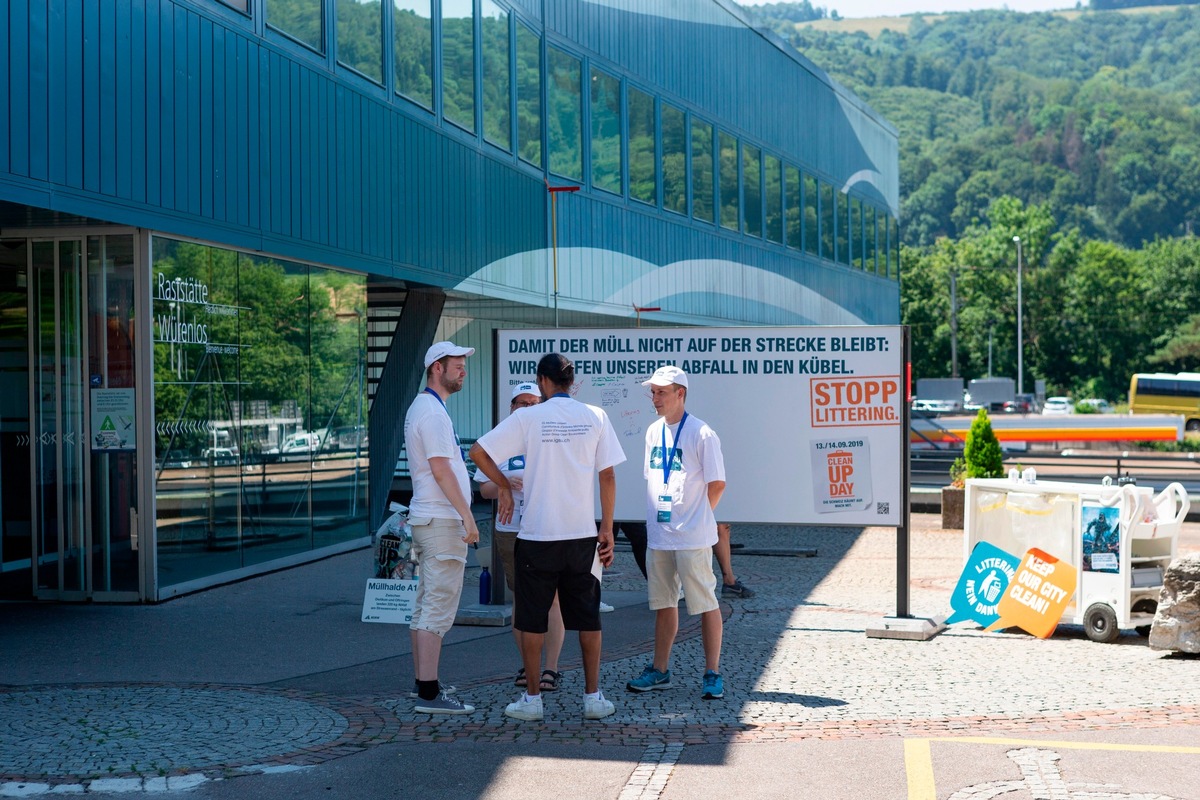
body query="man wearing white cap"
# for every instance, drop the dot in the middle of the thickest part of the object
(685, 478)
(440, 516)
(504, 539)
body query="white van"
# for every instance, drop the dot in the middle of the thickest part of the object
(300, 444)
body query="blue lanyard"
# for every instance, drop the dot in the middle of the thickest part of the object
(561, 394)
(669, 458)
(438, 397)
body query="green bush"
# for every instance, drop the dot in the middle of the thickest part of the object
(982, 454)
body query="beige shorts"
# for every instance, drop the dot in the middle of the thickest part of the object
(442, 558)
(667, 570)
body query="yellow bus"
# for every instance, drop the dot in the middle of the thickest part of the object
(1165, 393)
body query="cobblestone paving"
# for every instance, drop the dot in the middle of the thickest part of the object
(797, 665)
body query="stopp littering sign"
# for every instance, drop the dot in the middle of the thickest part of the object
(811, 419)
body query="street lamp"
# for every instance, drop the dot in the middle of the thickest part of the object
(1020, 346)
(554, 190)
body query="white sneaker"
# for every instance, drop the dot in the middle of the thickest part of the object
(605, 607)
(526, 707)
(597, 708)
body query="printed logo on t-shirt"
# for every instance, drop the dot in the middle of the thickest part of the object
(515, 463)
(656, 459)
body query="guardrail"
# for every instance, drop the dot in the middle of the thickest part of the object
(931, 468)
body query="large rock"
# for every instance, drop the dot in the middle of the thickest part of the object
(953, 509)
(1177, 620)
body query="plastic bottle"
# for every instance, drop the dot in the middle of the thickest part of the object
(485, 587)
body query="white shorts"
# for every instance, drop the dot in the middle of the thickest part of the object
(667, 570)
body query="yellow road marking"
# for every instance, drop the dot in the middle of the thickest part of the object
(918, 763)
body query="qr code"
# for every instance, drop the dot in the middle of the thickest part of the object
(883, 508)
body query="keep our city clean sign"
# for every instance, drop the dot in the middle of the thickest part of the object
(810, 418)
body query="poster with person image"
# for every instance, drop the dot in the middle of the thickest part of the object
(1101, 530)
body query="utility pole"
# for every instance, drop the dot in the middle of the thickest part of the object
(953, 322)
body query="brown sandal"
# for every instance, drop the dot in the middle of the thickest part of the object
(550, 681)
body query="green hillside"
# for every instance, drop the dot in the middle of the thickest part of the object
(1077, 131)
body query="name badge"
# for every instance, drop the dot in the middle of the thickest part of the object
(664, 507)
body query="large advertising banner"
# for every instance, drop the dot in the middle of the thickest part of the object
(810, 419)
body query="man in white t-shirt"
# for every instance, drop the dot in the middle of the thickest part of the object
(566, 443)
(504, 539)
(440, 516)
(685, 478)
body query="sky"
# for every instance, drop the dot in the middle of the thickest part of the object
(895, 8)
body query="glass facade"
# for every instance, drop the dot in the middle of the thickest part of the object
(811, 225)
(606, 132)
(360, 36)
(412, 48)
(299, 19)
(793, 204)
(458, 62)
(828, 215)
(564, 120)
(773, 202)
(260, 409)
(752, 190)
(702, 171)
(728, 177)
(674, 158)
(529, 96)
(643, 183)
(497, 86)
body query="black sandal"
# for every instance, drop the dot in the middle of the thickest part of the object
(550, 681)
(521, 681)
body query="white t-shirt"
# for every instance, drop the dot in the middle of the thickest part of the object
(565, 443)
(513, 468)
(429, 433)
(697, 463)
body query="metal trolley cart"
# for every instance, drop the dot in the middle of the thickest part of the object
(1120, 538)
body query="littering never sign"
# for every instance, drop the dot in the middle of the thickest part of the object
(810, 418)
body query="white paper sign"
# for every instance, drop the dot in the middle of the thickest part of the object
(841, 474)
(113, 419)
(389, 601)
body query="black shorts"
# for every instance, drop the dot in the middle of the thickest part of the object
(544, 568)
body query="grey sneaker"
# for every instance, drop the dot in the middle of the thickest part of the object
(443, 704)
(597, 708)
(414, 694)
(736, 589)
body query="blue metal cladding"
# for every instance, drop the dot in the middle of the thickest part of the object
(191, 119)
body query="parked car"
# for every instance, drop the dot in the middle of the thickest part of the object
(933, 407)
(1094, 405)
(1058, 407)
(219, 456)
(300, 445)
(177, 459)
(1018, 407)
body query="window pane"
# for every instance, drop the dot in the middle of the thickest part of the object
(458, 62)
(566, 111)
(360, 36)
(240, 5)
(893, 248)
(828, 215)
(674, 149)
(773, 185)
(606, 132)
(412, 43)
(843, 228)
(529, 96)
(812, 220)
(702, 171)
(869, 234)
(642, 185)
(300, 19)
(792, 201)
(752, 190)
(729, 180)
(856, 234)
(497, 91)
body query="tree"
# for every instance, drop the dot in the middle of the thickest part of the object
(981, 453)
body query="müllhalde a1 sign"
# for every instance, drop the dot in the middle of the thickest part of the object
(810, 419)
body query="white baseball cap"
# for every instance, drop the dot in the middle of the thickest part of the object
(667, 376)
(526, 388)
(439, 350)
